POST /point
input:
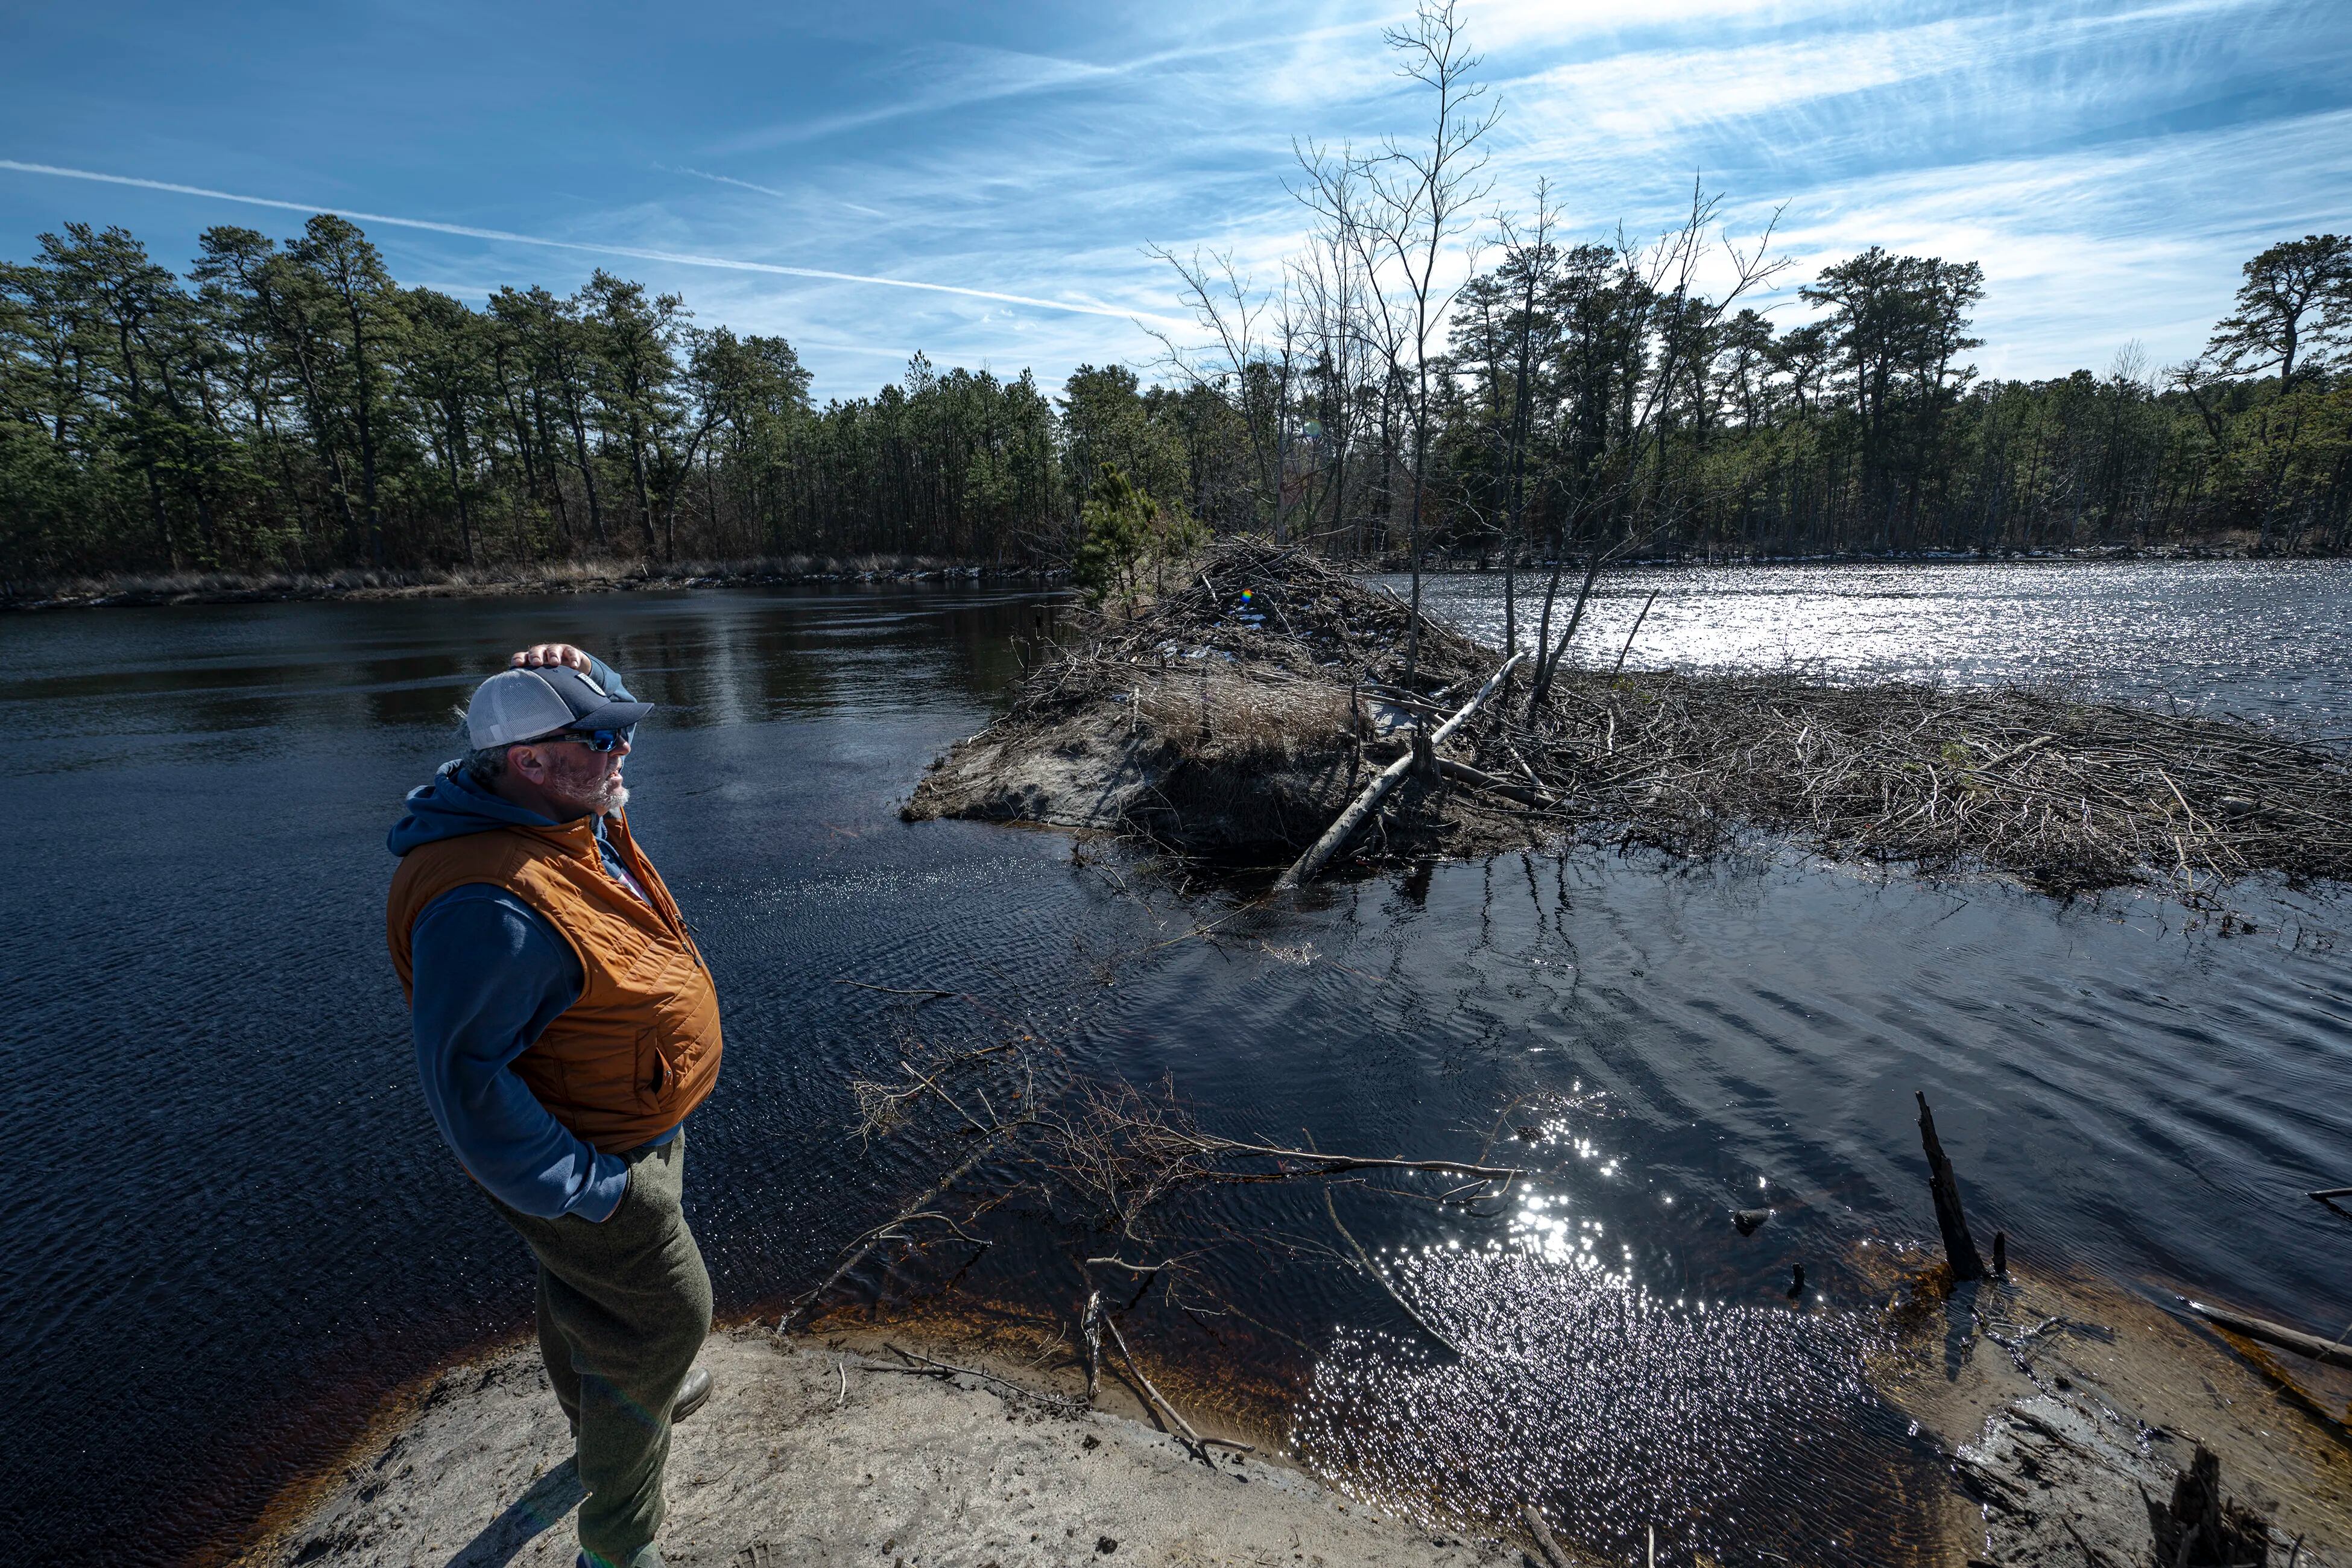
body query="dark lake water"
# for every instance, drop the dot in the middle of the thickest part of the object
(233, 1231)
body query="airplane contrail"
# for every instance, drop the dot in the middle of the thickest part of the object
(684, 258)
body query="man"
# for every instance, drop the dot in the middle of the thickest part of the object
(565, 1026)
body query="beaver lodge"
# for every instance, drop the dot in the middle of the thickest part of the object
(1264, 711)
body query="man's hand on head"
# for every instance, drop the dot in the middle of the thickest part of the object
(548, 655)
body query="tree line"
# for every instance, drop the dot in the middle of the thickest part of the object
(1585, 404)
(292, 407)
(1431, 376)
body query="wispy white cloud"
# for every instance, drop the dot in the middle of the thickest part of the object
(772, 191)
(1638, 104)
(1519, 25)
(594, 248)
(2087, 249)
(962, 77)
(2110, 162)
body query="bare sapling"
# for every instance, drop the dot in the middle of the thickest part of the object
(1327, 283)
(1661, 282)
(1529, 256)
(1252, 363)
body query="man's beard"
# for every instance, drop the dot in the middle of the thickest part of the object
(600, 794)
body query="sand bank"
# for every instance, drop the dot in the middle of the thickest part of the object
(2065, 1412)
(802, 1458)
(2068, 1410)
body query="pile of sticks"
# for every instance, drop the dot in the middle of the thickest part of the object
(2065, 794)
(1301, 619)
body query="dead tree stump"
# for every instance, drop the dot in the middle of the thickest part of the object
(1960, 1246)
(2204, 1529)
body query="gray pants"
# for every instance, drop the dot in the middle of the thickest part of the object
(623, 1308)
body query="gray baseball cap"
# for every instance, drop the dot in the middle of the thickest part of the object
(518, 705)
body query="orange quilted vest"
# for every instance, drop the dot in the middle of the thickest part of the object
(640, 1047)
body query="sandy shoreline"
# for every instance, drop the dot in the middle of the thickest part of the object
(2064, 1410)
(802, 1458)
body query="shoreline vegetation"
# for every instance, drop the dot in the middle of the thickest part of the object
(626, 574)
(1267, 710)
(298, 413)
(147, 590)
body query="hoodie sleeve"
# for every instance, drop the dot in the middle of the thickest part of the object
(491, 973)
(605, 676)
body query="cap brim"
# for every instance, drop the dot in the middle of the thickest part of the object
(613, 716)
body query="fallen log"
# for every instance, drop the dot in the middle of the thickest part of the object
(1306, 866)
(2270, 1334)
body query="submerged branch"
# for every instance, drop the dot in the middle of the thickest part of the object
(1382, 1280)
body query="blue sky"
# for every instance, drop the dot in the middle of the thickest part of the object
(2111, 164)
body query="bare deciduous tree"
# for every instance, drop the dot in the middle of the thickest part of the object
(1409, 204)
(1328, 281)
(1254, 359)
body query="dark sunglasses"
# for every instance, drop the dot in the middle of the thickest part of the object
(595, 740)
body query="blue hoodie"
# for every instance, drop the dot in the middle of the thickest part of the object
(490, 973)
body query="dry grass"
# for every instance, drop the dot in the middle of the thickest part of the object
(507, 577)
(1218, 714)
